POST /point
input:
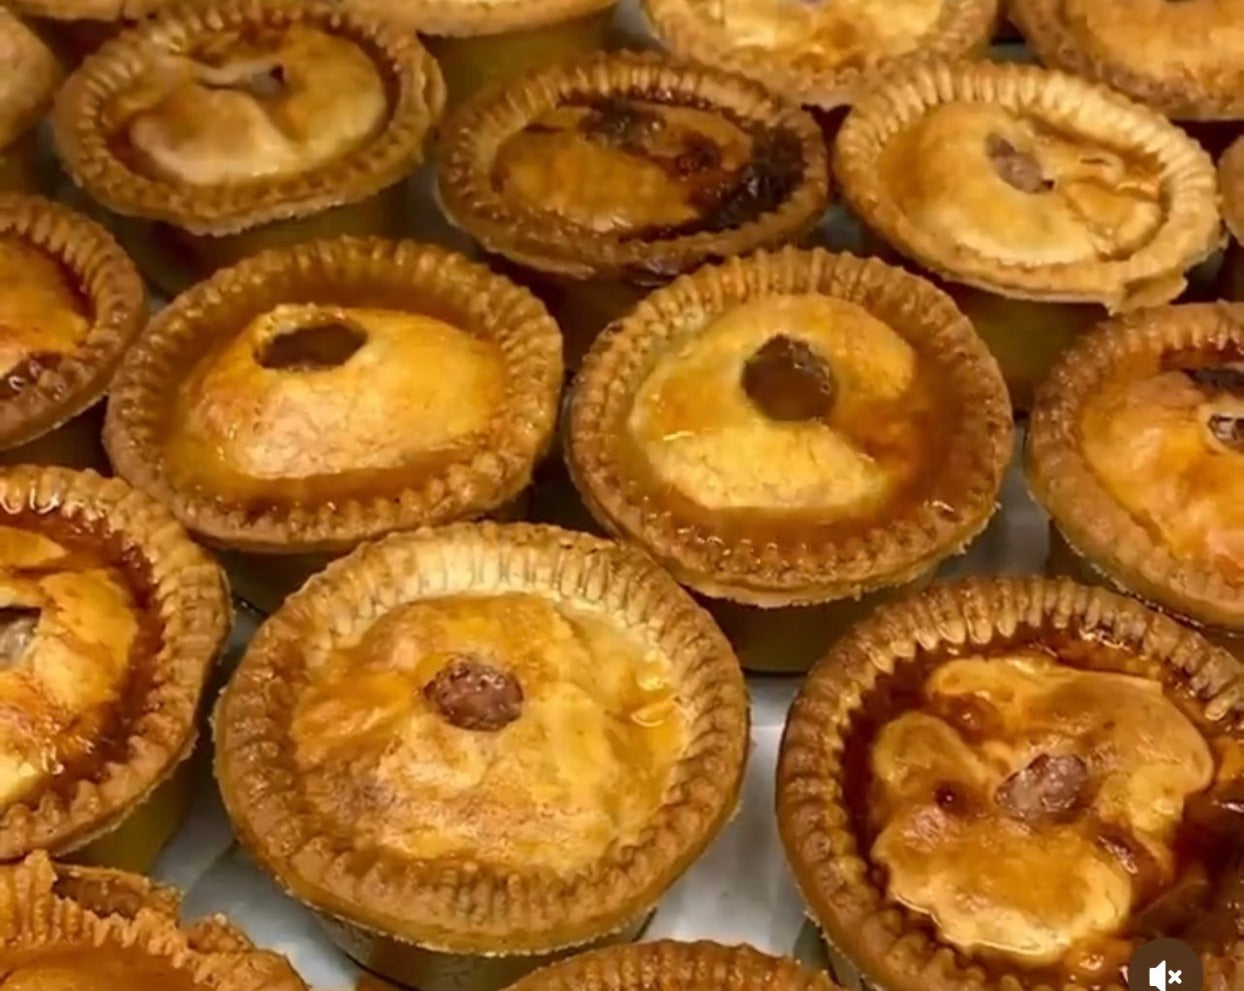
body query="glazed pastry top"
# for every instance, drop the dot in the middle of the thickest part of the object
(807, 404)
(620, 166)
(1008, 187)
(1169, 447)
(69, 627)
(240, 109)
(508, 730)
(31, 74)
(43, 314)
(309, 391)
(1029, 807)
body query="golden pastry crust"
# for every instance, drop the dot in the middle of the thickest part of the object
(71, 302)
(1184, 59)
(207, 417)
(30, 77)
(139, 126)
(699, 966)
(91, 10)
(1160, 516)
(486, 901)
(1029, 184)
(981, 643)
(820, 54)
(669, 447)
(77, 548)
(1231, 187)
(747, 171)
(92, 929)
(467, 18)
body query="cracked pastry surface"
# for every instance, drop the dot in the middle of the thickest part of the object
(29, 80)
(334, 395)
(1185, 58)
(68, 928)
(43, 315)
(574, 762)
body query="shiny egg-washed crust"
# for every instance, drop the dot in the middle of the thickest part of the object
(1095, 525)
(676, 966)
(963, 28)
(1231, 188)
(1184, 98)
(82, 109)
(465, 18)
(886, 942)
(1151, 275)
(24, 99)
(63, 907)
(453, 905)
(184, 332)
(883, 555)
(190, 599)
(116, 299)
(471, 138)
(90, 10)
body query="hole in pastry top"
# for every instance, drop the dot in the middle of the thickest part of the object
(314, 347)
(1029, 183)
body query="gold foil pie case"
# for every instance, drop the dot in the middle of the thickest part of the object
(111, 622)
(71, 302)
(1184, 59)
(1012, 783)
(482, 741)
(239, 125)
(821, 53)
(96, 930)
(31, 75)
(318, 396)
(792, 429)
(1029, 190)
(1136, 449)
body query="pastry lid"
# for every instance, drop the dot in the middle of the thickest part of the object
(1060, 105)
(688, 28)
(1091, 519)
(1231, 185)
(425, 278)
(790, 183)
(451, 903)
(114, 297)
(187, 595)
(84, 111)
(90, 911)
(482, 17)
(30, 78)
(892, 945)
(91, 10)
(780, 564)
(1107, 42)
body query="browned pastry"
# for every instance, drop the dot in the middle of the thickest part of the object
(1013, 783)
(68, 928)
(819, 52)
(484, 740)
(1186, 59)
(1137, 450)
(31, 75)
(1231, 187)
(71, 302)
(111, 620)
(223, 118)
(91, 10)
(469, 18)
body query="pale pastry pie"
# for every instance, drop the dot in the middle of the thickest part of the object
(476, 711)
(1137, 450)
(820, 52)
(110, 622)
(761, 427)
(71, 302)
(31, 75)
(1185, 59)
(1037, 775)
(65, 928)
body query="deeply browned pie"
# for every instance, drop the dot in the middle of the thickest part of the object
(1186, 59)
(483, 740)
(111, 621)
(1231, 186)
(224, 118)
(1137, 450)
(71, 302)
(86, 929)
(1012, 783)
(820, 52)
(1032, 186)
(31, 75)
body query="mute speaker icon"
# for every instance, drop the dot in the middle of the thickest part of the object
(1163, 965)
(1160, 977)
